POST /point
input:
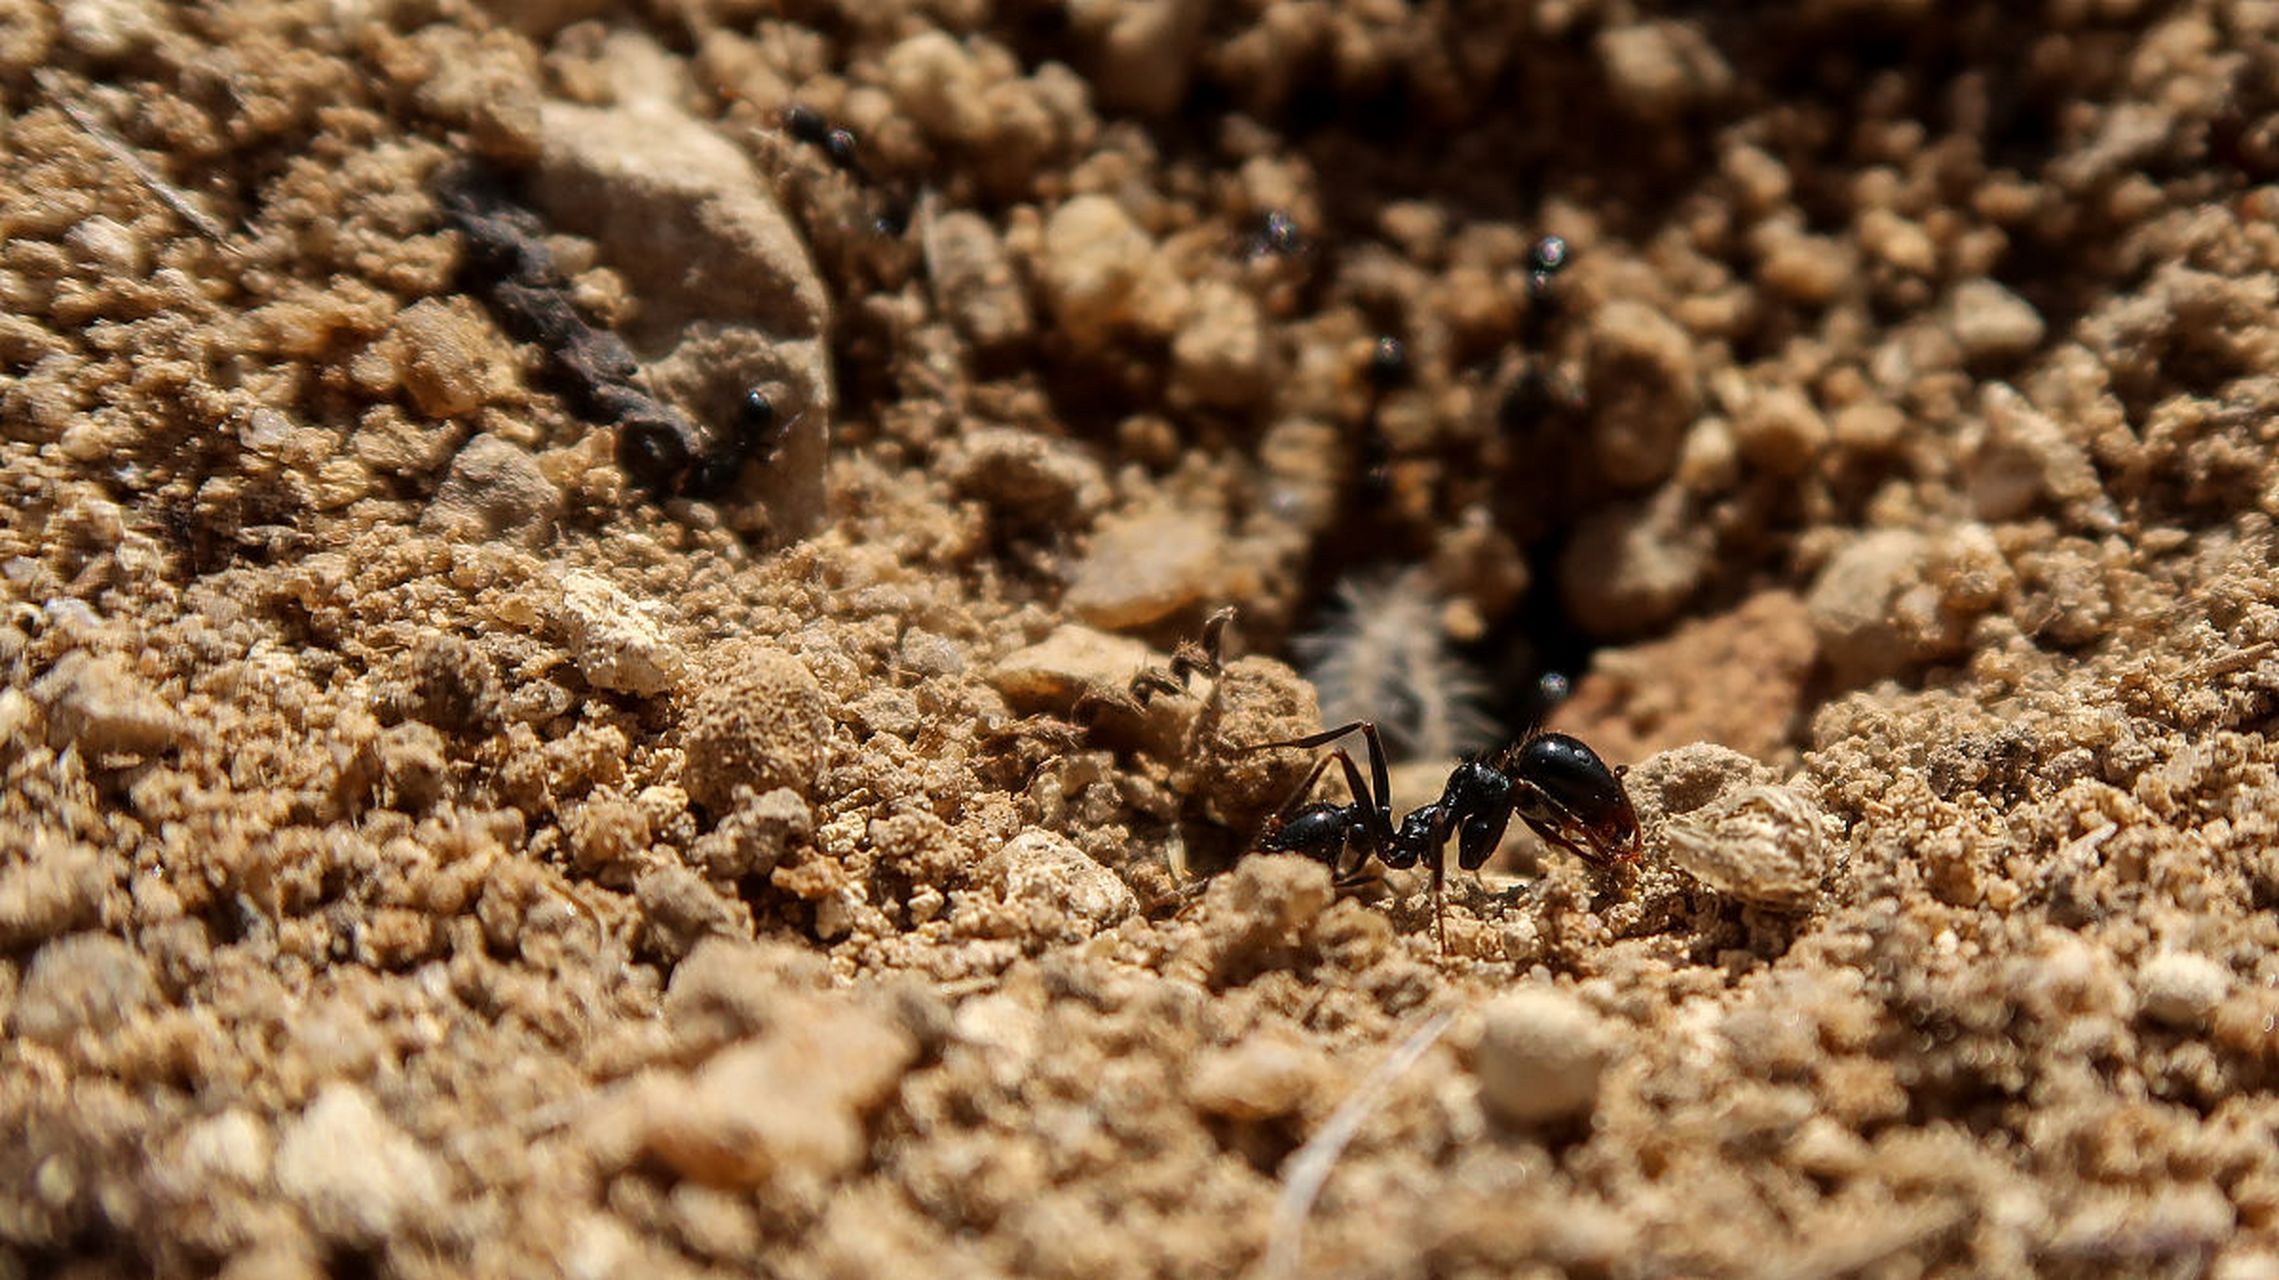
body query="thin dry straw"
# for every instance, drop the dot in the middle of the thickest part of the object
(1309, 1169)
(173, 197)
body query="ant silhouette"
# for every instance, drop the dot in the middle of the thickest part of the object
(1557, 785)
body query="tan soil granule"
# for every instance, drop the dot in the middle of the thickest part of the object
(426, 849)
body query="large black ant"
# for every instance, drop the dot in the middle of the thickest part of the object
(1557, 785)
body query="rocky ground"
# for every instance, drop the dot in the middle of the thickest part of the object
(485, 798)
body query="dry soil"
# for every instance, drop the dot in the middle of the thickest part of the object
(427, 850)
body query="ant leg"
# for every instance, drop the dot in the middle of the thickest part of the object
(1362, 799)
(1324, 738)
(1206, 655)
(1152, 681)
(1381, 800)
(1440, 899)
(1086, 711)
(1298, 796)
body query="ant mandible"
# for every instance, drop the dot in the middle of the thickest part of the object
(1557, 785)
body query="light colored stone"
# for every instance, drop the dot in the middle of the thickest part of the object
(616, 644)
(1658, 69)
(103, 706)
(1065, 665)
(1262, 1077)
(1222, 354)
(88, 981)
(1042, 870)
(974, 280)
(495, 490)
(1095, 257)
(760, 720)
(1689, 778)
(56, 885)
(1026, 474)
(1780, 431)
(1144, 50)
(1632, 566)
(358, 1177)
(231, 1146)
(1990, 322)
(788, 1107)
(1764, 845)
(2181, 988)
(1541, 1056)
(1853, 602)
(1144, 567)
(939, 86)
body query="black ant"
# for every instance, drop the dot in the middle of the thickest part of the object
(1556, 784)
(1545, 261)
(506, 260)
(838, 145)
(1277, 236)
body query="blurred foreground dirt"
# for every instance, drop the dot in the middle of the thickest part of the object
(426, 850)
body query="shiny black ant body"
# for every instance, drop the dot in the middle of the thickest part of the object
(838, 145)
(1558, 786)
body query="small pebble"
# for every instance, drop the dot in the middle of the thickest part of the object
(358, 1177)
(1990, 322)
(1541, 1056)
(616, 644)
(1764, 845)
(759, 720)
(494, 490)
(788, 1106)
(2181, 988)
(88, 981)
(1260, 1078)
(1065, 665)
(1142, 568)
(1042, 869)
(103, 706)
(1094, 257)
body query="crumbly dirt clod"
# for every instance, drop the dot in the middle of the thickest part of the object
(1763, 845)
(429, 848)
(758, 722)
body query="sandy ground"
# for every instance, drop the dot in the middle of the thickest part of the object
(444, 835)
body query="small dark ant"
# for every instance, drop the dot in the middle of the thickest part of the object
(1388, 363)
(756, 433)
(1388, 369)
(1545, 261)
(838, 145)
(806, 124)
(1277, 236)
(1558, 786)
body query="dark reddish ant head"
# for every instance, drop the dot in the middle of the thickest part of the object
(1571, 798)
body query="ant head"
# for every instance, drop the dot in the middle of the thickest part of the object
(1570, 797)
(652, 452)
